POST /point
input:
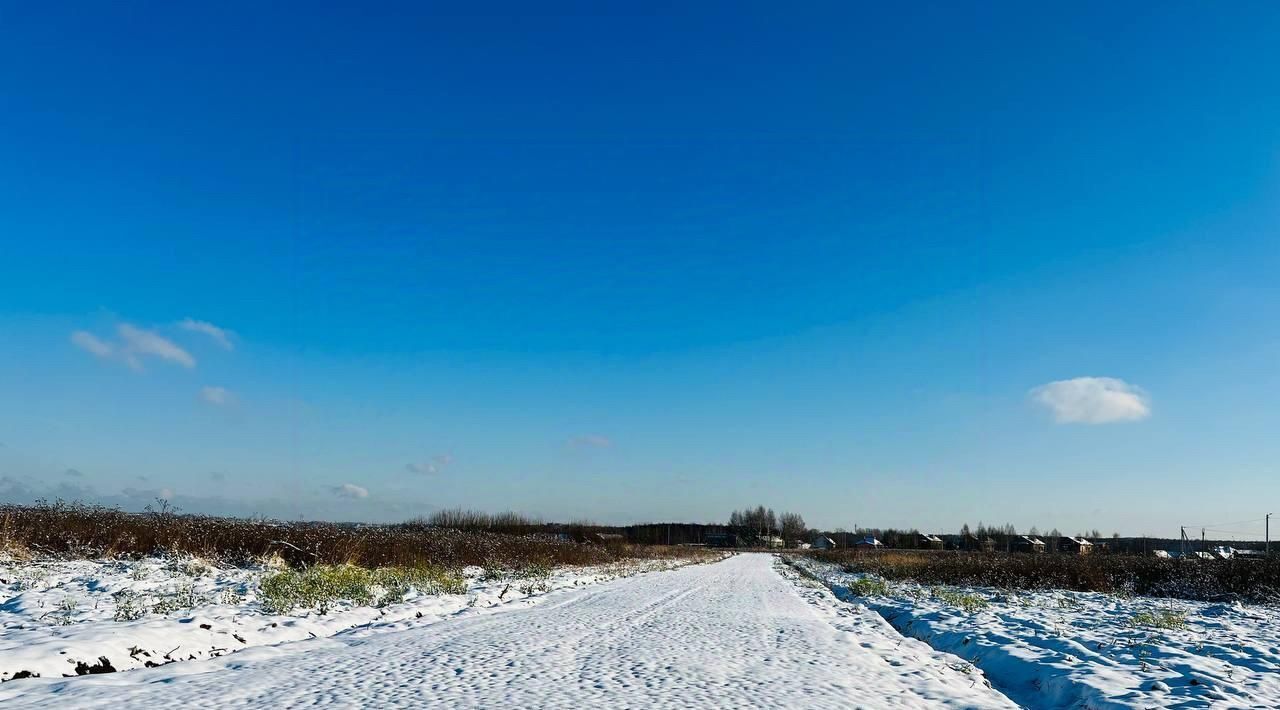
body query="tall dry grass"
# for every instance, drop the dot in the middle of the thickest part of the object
(88, 531)
(1247, 579)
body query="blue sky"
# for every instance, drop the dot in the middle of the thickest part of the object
(651, 263)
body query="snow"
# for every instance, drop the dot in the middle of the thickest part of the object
(1074, 649)
(58, 615)
(746, 631)
(735, 633)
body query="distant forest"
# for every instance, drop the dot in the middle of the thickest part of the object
(756, 526)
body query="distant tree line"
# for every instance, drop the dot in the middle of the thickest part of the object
(753, 526)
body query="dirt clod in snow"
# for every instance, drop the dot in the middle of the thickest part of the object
(102, 666)
(24, 674)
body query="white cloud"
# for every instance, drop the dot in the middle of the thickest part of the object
(92, 343)
(1093, 400)
(138, 343)
(592, 441)
(217, 396)
(436, 465)
(350, 490)
(423, 468)
(221, 336)
(133, 346)
(73, 472)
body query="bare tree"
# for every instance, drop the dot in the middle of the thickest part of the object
(759, 522)
(793, 527)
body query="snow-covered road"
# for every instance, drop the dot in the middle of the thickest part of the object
(731, 634)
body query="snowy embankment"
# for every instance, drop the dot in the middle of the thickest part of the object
(77, 617)
(1074, 649)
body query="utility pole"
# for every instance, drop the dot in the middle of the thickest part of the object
(1183, 540)
(1268, 534)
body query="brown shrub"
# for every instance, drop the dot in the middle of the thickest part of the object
(1249, 579)
(79, 530)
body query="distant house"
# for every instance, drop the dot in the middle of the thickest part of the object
(1025, 543)
(929, 542)
(609, 538)
(869, 543)
(823, 543)
(972, 543)
(1075, 546)
(721, 539)
(773, 542)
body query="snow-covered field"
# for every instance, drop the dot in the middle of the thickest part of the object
(736, 633)
(1084, 650)
(72, 617)
(748, 631)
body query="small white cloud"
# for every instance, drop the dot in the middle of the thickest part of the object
(91, 343)
(73, 473)
(350, 490)
(423, 468)
(217, 396)
(436, 465)
(221, 336)
(590, 441)
(138, 343)
(148, 494)
(1093, 400)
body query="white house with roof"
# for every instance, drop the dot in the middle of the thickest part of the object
(869, 543)
(1075, 546)
(930, 542)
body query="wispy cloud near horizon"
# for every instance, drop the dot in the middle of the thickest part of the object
(140, 343)
(437, 464)
(350, 490)
(217, 396)
(221, 336)
(92, 344)
(133, 346)
(590, 441)
(425, 469)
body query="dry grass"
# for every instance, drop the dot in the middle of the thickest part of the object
(1247, 579)
(85, 531)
